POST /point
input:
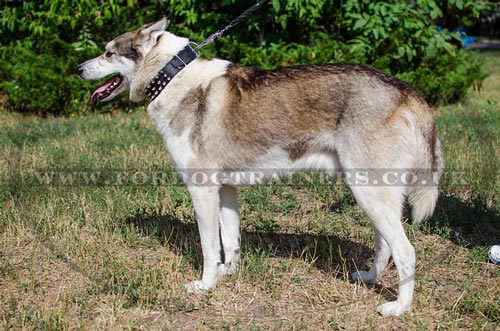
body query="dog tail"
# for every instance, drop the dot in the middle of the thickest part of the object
(423, 192)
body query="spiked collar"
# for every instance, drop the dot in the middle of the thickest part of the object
(168, 72)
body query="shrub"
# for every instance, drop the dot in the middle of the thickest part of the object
(381, 35)
(42, 41)
(446, 78)
(39, 83)
(45, 83)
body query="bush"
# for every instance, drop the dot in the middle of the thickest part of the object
(45, 83)
(446, 78)
(42, 41)
(40, 83)
(381, 35)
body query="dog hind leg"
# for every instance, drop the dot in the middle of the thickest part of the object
(383, 206)
(382, 256)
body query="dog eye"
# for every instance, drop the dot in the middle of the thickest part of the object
(109, 54)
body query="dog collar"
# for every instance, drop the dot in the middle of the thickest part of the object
(168, 72)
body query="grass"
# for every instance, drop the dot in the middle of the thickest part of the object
(109, 251)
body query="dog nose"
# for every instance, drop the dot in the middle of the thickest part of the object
(79, 69)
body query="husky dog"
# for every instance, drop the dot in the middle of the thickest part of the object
(217, 116)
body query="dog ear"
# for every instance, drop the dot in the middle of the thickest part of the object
(149, 33)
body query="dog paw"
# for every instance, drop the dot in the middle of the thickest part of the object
(228, 269)
(363, 276)
(197, 286)
(393, 308)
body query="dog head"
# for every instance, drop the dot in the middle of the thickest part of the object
(132, 59)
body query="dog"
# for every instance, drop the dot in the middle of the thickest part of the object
(217, 116)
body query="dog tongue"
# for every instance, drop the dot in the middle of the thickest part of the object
(102, 89)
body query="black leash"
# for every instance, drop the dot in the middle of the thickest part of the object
(237, 20)
(188, 54)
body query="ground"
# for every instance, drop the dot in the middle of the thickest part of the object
(92, 238)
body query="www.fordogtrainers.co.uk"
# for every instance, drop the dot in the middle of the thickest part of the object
(203, 177)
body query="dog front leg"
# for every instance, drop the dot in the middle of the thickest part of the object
(230, 230)
(206, 205)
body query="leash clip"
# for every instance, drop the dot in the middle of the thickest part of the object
(195, 48)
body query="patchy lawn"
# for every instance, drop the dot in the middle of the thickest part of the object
(86, 245)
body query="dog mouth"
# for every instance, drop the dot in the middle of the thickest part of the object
(105, 90)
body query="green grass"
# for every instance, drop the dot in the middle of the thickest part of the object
(105, 253)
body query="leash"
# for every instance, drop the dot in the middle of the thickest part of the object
(188, 54)
(217, 34)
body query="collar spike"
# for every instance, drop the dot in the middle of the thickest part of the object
(168, 72)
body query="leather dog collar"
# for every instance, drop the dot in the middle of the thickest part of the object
(168, 72)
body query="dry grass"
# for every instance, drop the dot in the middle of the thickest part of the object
(115, 257)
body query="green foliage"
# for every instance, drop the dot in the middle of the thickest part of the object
(451, 85)
(39, 83)
(42, 41)
(381, 35)
(380, 32)
(489, 24)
